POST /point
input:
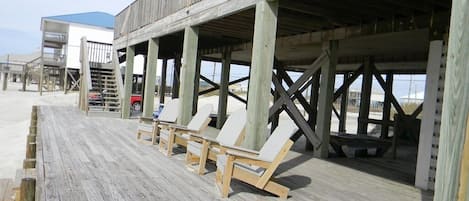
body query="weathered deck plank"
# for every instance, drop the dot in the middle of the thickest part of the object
(91, 158)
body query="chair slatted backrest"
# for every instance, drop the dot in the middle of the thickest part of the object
(200, 118)
(170, 111)
(274, 144)
(233, 128)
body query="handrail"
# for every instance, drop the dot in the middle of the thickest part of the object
(143, 12)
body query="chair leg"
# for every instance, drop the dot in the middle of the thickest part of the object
(139, 135)
(226, 180)
(203, 157)
(169, 144)
(153, 138)
(277, 189)
(188, 158)
(161, 145)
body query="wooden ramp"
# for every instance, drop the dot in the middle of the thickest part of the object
(91, 158)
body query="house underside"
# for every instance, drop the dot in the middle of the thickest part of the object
(320, 39)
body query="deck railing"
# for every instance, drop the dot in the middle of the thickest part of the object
(144, 12)
(56, 37)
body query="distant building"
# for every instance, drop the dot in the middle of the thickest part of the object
(61, 37)
(376, 98)
(413, 98)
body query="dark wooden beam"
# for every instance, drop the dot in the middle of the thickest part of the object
(348, 82)
(394, 101)
(295, 114)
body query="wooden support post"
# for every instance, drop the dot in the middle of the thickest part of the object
(65, 80)
(196, 84)
(129, 71)
(176, 76)
(41, 70)
(326, 94)
(365, 97)
(29, 163)
(24, 79)
(5, 81)
(186, 92)
(31, 150)
(61, 78)
(455, 106)
(162, 90)
(463, 193)
(344, 106)
(265, 29)
(224, 88)
(31, 138)
(150, 78)
(144, 83)
(430, 106)
(387, 106)
(28, 189)
(313, 101)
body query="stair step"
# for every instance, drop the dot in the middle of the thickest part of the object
(110, 98)
(106, 75)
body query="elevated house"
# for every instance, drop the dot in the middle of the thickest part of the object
(320, 39)
(61, 40)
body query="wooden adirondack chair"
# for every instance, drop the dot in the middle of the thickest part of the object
(200, 147)
(256, 168)
(169, 114)
(178, 134)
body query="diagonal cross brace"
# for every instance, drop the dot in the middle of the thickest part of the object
(295, 114)
(348, 82)
(381, 82)
(417, 111)
(322, 59)
(298, 94)
(217, 86)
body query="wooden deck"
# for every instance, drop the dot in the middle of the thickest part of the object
(91, 158)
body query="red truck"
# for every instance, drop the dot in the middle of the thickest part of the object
(136, 102)
(95, 98)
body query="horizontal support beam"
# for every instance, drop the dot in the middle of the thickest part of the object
(194, 15)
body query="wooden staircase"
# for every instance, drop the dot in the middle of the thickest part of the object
(104, 82)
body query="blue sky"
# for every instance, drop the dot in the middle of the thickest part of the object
(20, 19)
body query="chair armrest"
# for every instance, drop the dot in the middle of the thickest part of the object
(146, 119)
(240, 149)
(242, 155)
(180, 128)
(210, 139)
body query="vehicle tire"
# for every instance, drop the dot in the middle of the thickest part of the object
(137, 106)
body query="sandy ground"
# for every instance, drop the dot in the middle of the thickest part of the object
(15, 114)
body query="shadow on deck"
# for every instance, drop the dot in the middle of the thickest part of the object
(90, 158)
